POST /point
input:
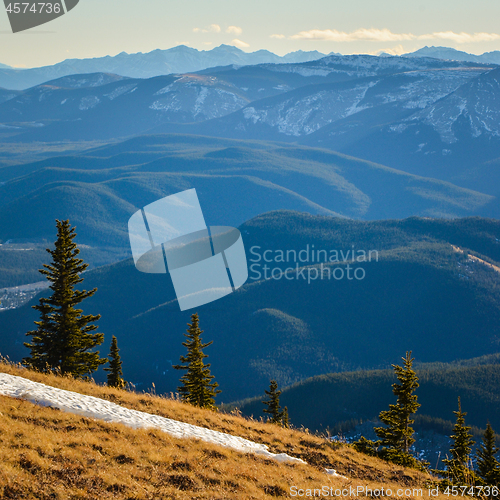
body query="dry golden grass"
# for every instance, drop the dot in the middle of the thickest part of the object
(49, 454)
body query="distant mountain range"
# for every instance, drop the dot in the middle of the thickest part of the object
(425, 116)
(180, 59)
(183, 59)
(307, 97)
(456, 55)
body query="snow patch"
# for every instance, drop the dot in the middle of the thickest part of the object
(165, 90)
(399, 129)
(300, 70)
(89, 102)
(334, 473)
(120, 91)
(200, 99)
(170, 105)
(251, 113)
(91, 407)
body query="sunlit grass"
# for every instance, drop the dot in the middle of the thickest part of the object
(46, 453)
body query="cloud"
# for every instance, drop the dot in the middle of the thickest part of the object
(374, 35)
(213, 28)
(234, 30)
(277, 36)
(385, 35)
(461, 37)
(240, 44)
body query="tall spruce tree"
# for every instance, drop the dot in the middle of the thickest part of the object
(397, 437)
(488, 466)
(115, 372)
(458, 465)
(273, 404)
(63, 340)
(197, 386)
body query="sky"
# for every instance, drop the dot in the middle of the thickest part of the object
(96, 28)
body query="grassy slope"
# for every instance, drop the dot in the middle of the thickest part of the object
(46, 453)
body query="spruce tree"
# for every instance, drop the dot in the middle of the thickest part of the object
(458, 465)
(398, 435)
(115, 373)
(63, 340)
(273, 403)
(197, 386)
(43, 347)
(488, 466)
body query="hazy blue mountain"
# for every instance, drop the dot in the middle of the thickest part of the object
(5, 94)
(420, 295)
(100, 189)
(440, 122)
(98, 106)
(301, 112)
(303, 56)
(361, 65)
(180, 59)
(456, 138)
(105, 106)
(456, 55)
(83, 81)
(299, 108)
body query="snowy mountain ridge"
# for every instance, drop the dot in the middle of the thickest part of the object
(180, 59)
(456, 55)
(307, 110)
(477, 103)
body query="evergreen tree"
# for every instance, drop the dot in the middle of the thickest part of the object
(273, 404)
(458, 465)
(115, 373)
(488, 466)
(43, 347)
(397, 437)
(197, 386)
(63, 339)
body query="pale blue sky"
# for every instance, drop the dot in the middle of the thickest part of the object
(106, 27)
